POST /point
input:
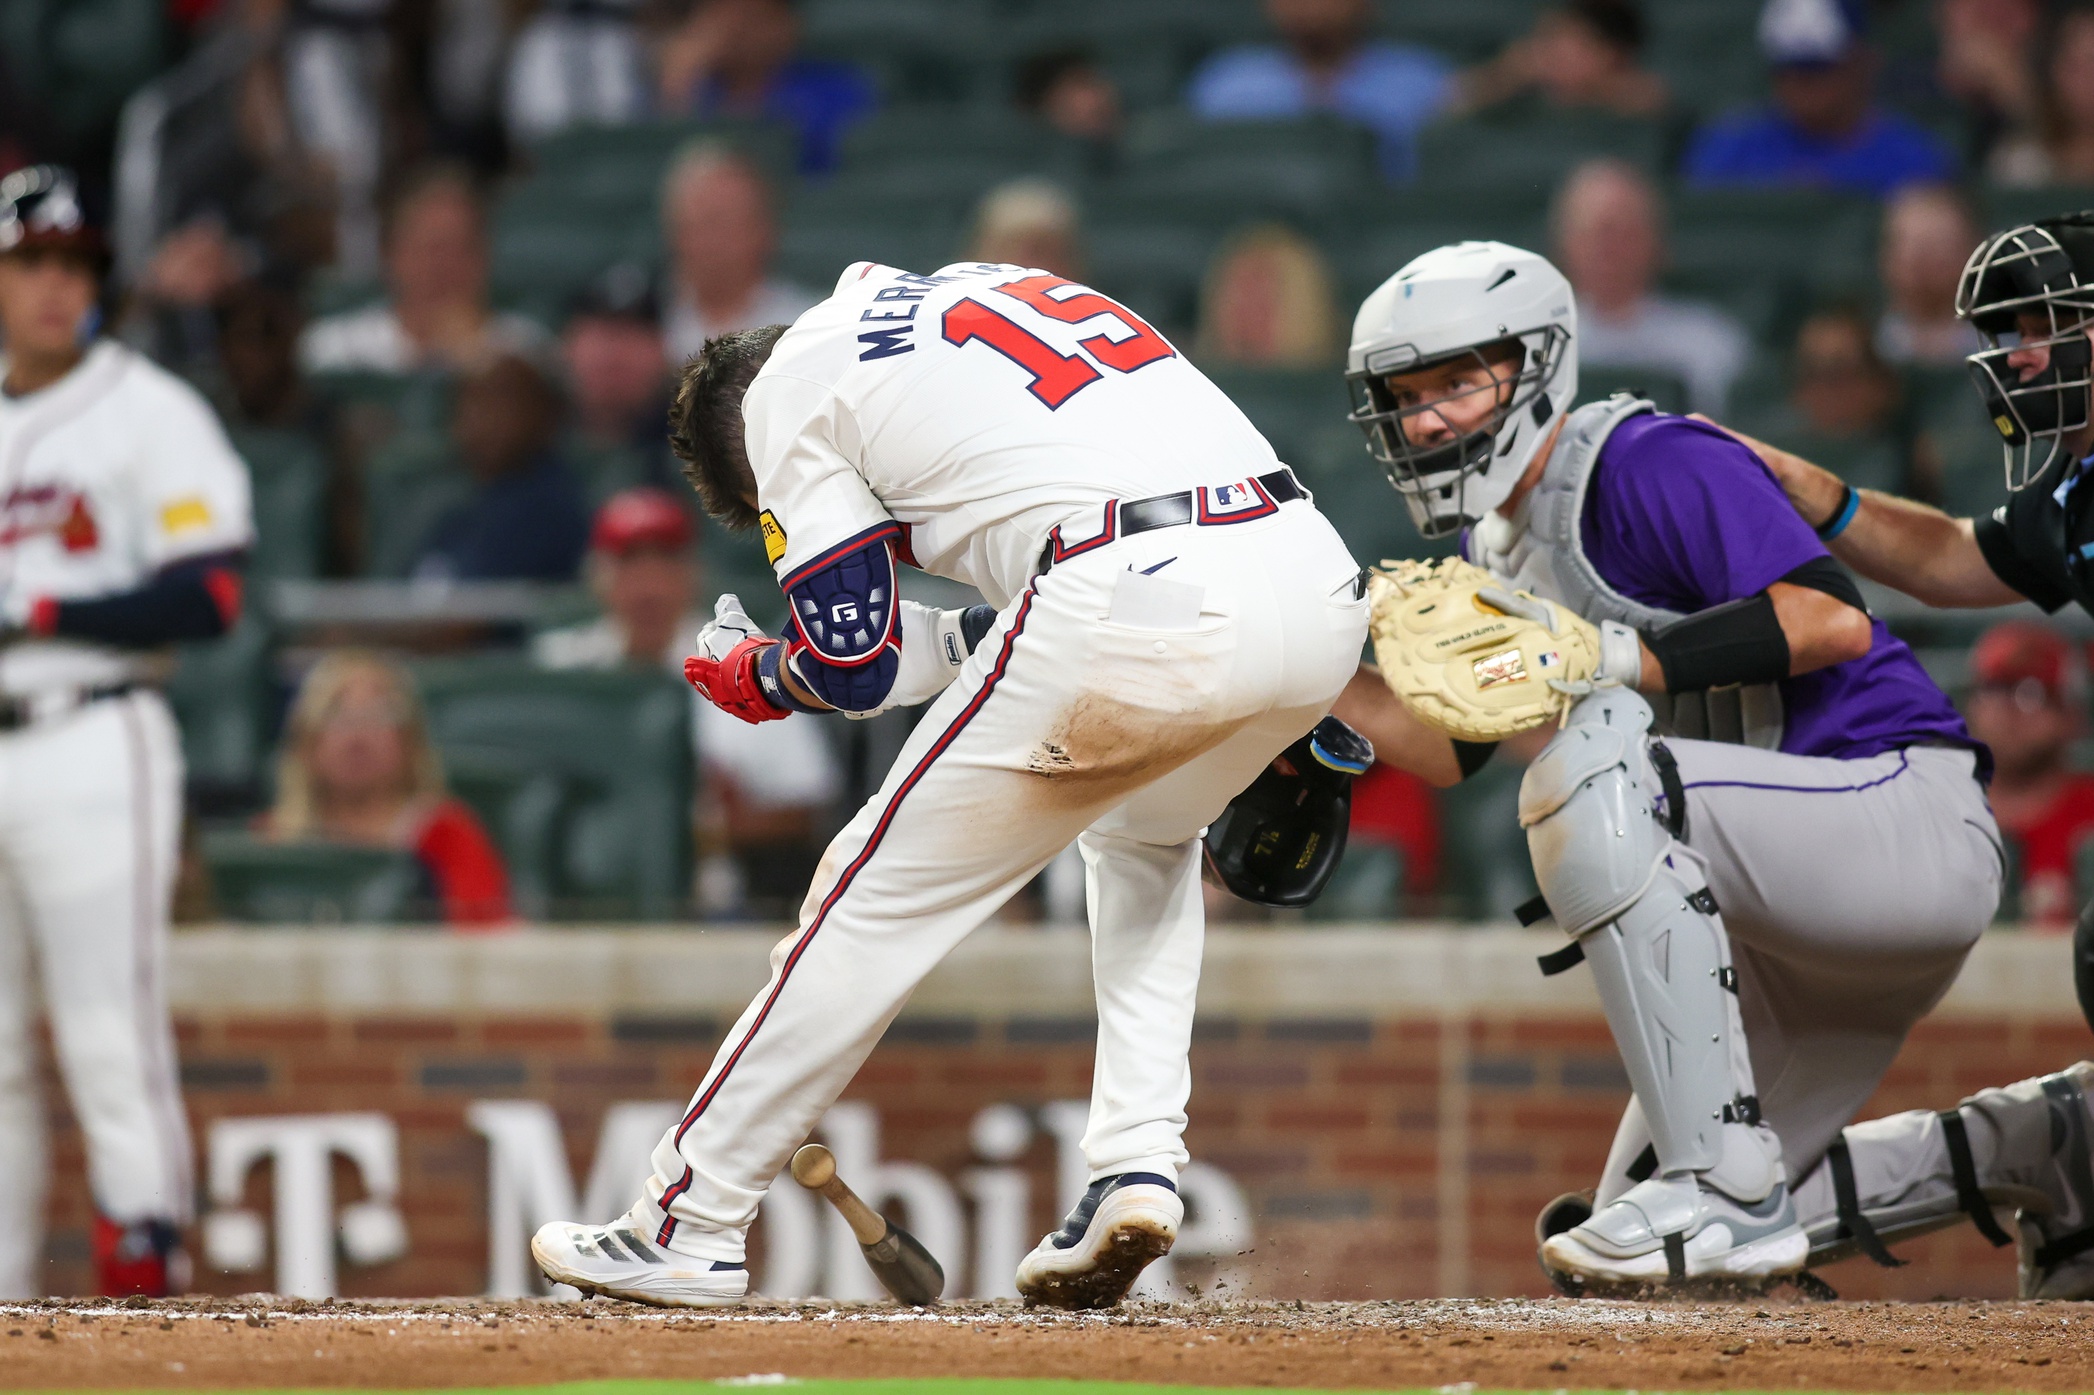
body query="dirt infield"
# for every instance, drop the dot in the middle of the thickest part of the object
(276, 1343)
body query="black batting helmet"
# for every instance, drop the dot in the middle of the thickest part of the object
(40, 208)
(1279, 841)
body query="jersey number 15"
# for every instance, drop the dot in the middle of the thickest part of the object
(1057, 377)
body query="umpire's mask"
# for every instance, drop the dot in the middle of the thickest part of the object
(2033, 287)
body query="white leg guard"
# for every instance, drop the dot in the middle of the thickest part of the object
(1615, 880)
(1712, 1204)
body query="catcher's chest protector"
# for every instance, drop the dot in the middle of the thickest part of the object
(1543, 551)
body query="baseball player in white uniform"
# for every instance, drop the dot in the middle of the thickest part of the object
(1166, 613)
(123, 516)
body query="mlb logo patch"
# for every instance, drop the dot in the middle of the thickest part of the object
(1233, 503)
(1548, 658)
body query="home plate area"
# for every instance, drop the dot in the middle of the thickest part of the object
(264, 1342)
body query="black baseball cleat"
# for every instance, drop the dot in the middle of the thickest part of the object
(1120, 1226)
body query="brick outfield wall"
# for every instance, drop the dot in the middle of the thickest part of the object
(1333, 1126)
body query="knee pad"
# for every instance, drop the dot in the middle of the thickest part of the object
(1587, 804)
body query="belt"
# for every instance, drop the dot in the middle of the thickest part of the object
(18, 711)
(1210, 506)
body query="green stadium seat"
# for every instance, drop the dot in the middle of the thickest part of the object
(584, 778)
(288, 471)
(1596, 382)
(1485, 871)
(918, 50)
(814, 253)
(1290, 409)
(1237, 170)
(408, 484)
(1823, 242)
(1523, 160)
(2007, 208)
(625, 164)
(377, 405)
(1471, 31)
(222, 692)
(1958, 449)
(1367, 885)
(1378, 247)
(308, 883)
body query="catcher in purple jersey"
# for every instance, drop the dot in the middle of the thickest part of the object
(1761, 824)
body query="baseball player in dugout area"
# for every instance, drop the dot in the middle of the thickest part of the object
(123, 518)
(1167, 614)
(1763, 828)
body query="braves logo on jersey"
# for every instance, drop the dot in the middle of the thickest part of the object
(31, 511)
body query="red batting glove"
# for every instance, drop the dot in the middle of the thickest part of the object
(731, 685)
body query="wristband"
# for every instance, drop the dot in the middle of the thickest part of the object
(768, 662)
(1850, 504)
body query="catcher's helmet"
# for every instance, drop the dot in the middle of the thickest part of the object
(1279, 841)
(1455, 302)
(2043, 269)
(40, 207)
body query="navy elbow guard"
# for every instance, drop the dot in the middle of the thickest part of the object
(847, 646)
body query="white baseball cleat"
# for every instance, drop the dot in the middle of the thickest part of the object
(1121, 1224)
(1676, 1229)
(619, 1261)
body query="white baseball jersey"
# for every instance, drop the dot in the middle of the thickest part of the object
(977, 407)
(107, 476)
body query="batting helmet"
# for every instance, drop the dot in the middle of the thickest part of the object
(1279, 841)
(40, 207)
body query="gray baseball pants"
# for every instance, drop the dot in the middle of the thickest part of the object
(1852, 891)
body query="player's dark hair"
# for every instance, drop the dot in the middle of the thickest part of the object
(705, 422)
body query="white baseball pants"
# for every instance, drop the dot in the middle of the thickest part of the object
(1063, 723)
(90, 811)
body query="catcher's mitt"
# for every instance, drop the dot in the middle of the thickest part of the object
(1474, 657)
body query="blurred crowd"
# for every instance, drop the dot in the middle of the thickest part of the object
(435, 261)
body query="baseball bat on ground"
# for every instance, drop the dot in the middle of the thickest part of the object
(898, 1259)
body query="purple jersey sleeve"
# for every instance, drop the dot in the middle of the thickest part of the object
(1682, 516)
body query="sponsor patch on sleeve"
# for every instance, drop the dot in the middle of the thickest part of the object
(773, 536)
(184, 514)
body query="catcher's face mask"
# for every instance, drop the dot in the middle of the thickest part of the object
(2024, 294)
(1447, 431)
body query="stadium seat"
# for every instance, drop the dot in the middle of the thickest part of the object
(584, 779)
(288, 471)
(223, 693)
(917, 50)
(409, 483)
(1367, 885)
(1486, 873)
(1515, 160)
(1242, 169)
(1960, 461)
(625, 164)
(307, 883)
(1151, 265)
(1391, 235)
(1823, 242)
(1290, 409)
(1596, 382)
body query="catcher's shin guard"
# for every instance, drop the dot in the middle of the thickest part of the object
(2025, 1149)
(1654, 939)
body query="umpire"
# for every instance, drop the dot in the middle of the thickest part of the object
(2030, 292)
